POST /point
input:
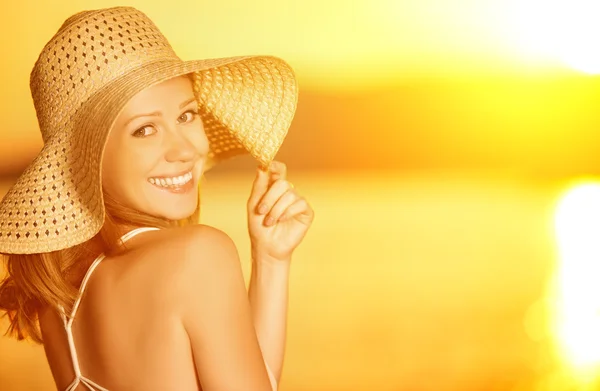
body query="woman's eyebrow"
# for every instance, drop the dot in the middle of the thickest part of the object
(157, 113)
(153, 114)
(187, 102)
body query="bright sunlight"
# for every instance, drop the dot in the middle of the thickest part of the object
(567, 30)
(578, 297)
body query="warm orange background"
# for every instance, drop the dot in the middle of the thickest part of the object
(434, 140)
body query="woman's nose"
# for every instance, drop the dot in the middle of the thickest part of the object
(179, 148)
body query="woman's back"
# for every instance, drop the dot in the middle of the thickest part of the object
(129, 330)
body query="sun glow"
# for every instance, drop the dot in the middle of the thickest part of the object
(564, 29)
(578, 297)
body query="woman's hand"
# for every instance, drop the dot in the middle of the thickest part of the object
(278, 217)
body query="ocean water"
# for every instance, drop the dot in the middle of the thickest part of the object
(413, 281)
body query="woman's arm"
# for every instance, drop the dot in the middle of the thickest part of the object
(278, 219)
(268, 295)
(216, 314)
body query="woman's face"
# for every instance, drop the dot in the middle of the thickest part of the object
(156, 151)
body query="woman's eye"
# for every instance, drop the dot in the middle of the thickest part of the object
(188, 116)
(144, 131)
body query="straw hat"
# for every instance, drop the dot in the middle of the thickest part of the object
(86, 73)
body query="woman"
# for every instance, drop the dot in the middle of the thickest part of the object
(107, 266)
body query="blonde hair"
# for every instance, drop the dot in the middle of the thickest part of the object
(34, 281)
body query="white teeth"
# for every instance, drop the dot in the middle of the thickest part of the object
(182, 179)
(173, 181)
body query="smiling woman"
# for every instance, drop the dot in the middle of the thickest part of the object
(85, 232)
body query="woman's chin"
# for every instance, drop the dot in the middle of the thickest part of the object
(174, 210)
(178, 213)
(173, 205)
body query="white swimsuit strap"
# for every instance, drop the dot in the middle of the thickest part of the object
(97, 261)
(136, 231)
(68, 322)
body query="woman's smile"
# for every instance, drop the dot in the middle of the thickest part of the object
(176, 184)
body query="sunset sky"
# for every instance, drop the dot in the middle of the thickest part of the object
(450, 150)
(444, 82)
(346, 44)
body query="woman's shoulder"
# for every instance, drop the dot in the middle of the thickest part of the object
(178, 240)
(189, 235)
(198, 246)
(169, 257)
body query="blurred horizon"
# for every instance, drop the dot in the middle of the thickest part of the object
(527, 126)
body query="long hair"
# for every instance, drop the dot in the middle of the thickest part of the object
(35, 281)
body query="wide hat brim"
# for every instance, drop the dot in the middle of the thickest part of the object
(247, 105)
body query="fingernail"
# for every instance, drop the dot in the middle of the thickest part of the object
(263, 209)
(269, 221)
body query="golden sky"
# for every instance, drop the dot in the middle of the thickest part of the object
(335, 42)
(341, 46)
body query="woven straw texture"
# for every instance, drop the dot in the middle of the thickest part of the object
(87, 72)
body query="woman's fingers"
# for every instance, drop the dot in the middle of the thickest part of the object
(283, 203)
(259, 187)
(300, 210)
(264, 180)
(278, 170)
(275, 192)
(275, 198)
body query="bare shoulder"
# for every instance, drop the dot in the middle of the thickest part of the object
(169, 260)
(194, 247)
(202, 261)
(200, 249)
(195, 271)
(189, 237)
(212, 304)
